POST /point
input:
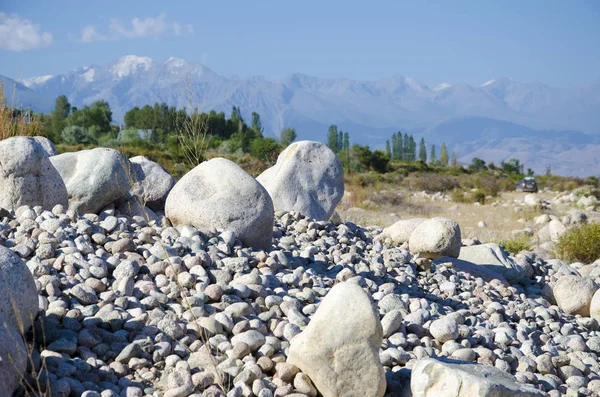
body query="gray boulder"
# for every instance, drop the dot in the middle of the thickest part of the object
(18, 294)
(94, 178)
(493, 257)
(436, 237)
(556, 229)
(13, 358)
(307, 178)
(532, 200)
(446, 377)
(574, 294)
(218, 194)
(27, 177)
(339, 349)
(47, 145)
(400, 232)
(152, 182)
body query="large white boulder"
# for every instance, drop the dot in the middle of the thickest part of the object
(532, 200)
(339, 349)
(27, 177)
(47, 145)
(452, 378)
(308, 178)
(13, 358)
(492, 256)
(574, 294)
(152, 182)
(400, 232)
(94, 178)
(18, 294)
(436, 237)
(218, 194)
(595, 306)
(556, 229)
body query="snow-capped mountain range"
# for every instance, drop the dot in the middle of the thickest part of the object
(471, 119)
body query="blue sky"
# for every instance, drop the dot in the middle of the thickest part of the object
(555, 42)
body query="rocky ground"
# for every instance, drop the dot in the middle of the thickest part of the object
(99, 299)
(137, 309)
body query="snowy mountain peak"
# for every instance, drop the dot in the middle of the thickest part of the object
(442, 86)
(489, 82)
(33, 81)
(89, 75)
(175, 62)
(130, 64)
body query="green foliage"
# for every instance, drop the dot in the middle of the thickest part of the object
(74, 135)
(265, 149)
(444, 156)
(453, 161)
(332, 138)
(477, 164)
(288, 135)
(433, 156)
(579, 244)
(257, 125)
(512, 166)
(369, 160)
(62, 108)
(422, 151)
(516, 244)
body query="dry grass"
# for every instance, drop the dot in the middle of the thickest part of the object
(12, 121)
(381, 204)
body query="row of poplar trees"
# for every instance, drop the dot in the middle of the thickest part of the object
(404, 148)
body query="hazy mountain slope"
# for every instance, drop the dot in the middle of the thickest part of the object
(471, 118)
(20, 96)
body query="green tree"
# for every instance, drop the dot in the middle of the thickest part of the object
(257, 125)
(422, 151)
(346, 148)
(444, 155)
(388, 148)
(264, 148)
(340, 141)
(62, 108)
(288, 135)
(433, 158)
(453, 161)
(512, 166)
(332, 138)
(477, 164)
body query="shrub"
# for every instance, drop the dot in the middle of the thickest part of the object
(458, 196)
(265, 149)
(580, 244)
(479, 197)
(516, 244)
(74, 135)
(433, 183)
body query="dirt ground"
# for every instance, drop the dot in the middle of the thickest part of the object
(502, 215)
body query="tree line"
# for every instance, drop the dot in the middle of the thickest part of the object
(179, 131)
(401, 147)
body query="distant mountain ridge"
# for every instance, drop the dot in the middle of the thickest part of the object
(369, 110)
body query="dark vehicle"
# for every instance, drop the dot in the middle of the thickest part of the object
(527, 184)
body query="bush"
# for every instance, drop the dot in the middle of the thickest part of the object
(580, 244)
(458, 196)
(517, 244)
(479, 197)
(265, 149)
(433, 183)
(74, 135)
